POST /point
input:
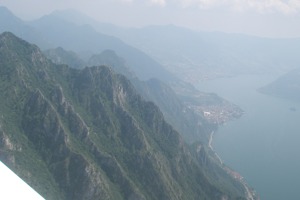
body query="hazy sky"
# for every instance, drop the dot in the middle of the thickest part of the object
(272, 18)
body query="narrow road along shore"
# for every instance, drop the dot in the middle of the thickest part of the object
(249, 194)
(211, 148)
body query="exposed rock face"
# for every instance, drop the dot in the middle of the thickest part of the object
(190, 124)
(182, 105)
(87, 134)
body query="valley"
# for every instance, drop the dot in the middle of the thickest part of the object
(90, 126)
(92, 110)
(260, 144)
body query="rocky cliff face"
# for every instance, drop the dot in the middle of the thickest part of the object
(87, 134)
(183, 105)
(179, 113)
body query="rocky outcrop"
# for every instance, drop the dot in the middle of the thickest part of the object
(87, 134)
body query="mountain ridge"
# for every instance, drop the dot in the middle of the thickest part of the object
(286, 86)
(86, 134)
(81, 39)
(138, 62)
(183, 110)
(196, 55)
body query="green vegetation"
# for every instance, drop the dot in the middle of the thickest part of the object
(87, 134)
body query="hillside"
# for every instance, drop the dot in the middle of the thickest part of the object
(194, 56)
(183, 110)
(87, 134)
(287, 86)
(60, 56)
(51, 32)
(91, 46)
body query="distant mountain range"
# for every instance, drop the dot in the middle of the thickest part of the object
(51, 32)
(183, 110)
(187, 54)
(87, 47)
(61, 56)
(88, 134)
(195, 56)
(75, 129)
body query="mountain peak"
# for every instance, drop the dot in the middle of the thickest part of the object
(7, 34)
(6, 12)
(8, 20)
(87, 134)
(11, 43)
(17, 53)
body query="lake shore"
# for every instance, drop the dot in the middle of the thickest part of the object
(211, 148)
(250, 194)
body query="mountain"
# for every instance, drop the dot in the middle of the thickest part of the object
(194, 55)
(85, 42)
(193, 126)
(110, 58)
(61, 56)
(78, 18)
(87, 134)
(9, 22)
(184, 109)
(51, 32)
(286, 86)
(183, 119)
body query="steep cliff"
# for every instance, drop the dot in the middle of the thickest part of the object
(87, 134)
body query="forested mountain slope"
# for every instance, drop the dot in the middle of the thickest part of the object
(87, 134)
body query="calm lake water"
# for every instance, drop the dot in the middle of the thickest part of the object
(264, 144)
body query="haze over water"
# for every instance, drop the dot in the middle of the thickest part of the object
(263, 145)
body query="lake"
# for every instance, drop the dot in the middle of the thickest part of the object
(264, 144)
